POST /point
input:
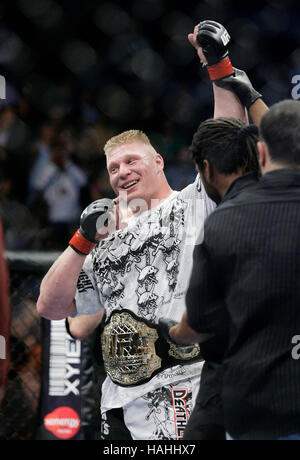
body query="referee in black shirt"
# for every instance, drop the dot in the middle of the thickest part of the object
(225, 148)
(225, 153)
(247, 280)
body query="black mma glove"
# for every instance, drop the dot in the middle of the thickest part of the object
(240, 84)
(214, 41)
(84, 240)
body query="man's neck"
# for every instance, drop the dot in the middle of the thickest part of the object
(276, 166)
(153, 202)
(226, 182)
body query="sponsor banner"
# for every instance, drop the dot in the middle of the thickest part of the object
(63, 422)
(60, 407)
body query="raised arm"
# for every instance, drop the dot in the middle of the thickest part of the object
(211, 40)
(227, 104)
(58, 288)
(240, 86)
(257, 110)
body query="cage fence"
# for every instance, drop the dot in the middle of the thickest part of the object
(19, 408)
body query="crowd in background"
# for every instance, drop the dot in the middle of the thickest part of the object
(49, 174)
(76, 74)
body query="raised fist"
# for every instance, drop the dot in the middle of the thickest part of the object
(94, 217)
(240, 84)
(92, 221)
(214, 41)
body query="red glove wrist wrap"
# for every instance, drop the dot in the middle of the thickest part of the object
(81, 244)
(220, 70)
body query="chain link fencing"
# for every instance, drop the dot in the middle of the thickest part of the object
(19, 409)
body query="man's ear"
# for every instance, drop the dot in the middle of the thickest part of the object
(207, 171)
(263, 154)
(159, 162)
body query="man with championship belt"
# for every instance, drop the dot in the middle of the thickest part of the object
(131, 260)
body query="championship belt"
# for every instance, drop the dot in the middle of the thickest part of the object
(133, 351)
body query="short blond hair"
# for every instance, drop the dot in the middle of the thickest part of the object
(133, 135)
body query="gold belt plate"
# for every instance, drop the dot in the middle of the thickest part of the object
(128, 347)
(184, 352)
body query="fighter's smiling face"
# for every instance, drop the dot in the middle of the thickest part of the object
(134, 170)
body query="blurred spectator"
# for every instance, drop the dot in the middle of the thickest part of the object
(181, 172)
(59, 186)
(20, 229)
(91, 142)
(89, 114)
(91, 158)
(15, 136)
(168, 141)
(87, 148)
(13, 131)
(100, 187)
(41, 153)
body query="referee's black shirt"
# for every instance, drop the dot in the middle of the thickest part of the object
(250, 259)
